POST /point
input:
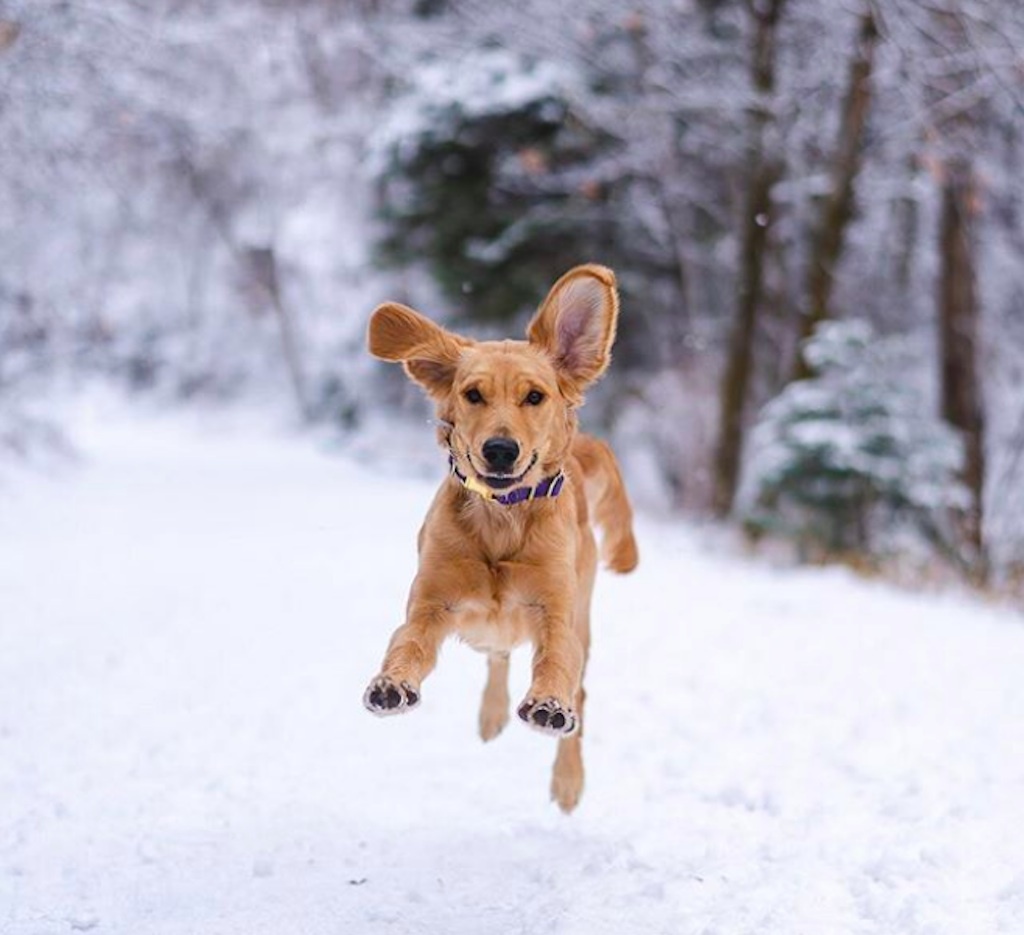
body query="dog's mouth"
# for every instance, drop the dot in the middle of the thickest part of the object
(503, 481)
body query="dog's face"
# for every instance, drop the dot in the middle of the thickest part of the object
(508, 413)
(511, 404)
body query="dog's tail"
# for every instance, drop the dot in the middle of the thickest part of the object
(608, 502)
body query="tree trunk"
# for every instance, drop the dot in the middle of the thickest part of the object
(837, 207)
(259, 265)
(9, 32)
(958, 135)
(677, 238)
(959, 327)
(762, 173)
(905, 247)
(262, 263)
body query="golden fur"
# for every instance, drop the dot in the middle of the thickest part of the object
(498, 576)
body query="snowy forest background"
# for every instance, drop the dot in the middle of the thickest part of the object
(814, 209)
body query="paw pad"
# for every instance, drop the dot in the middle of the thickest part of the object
(383, 697)
(549, 716)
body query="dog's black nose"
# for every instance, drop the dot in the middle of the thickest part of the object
(500, 453)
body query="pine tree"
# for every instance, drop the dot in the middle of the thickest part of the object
(480, 179)
(836, 454)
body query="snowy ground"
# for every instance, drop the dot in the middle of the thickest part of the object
(188, 620)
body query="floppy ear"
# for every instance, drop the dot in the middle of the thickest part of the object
(576, 323)
(429, 353)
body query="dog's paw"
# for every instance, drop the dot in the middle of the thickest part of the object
(383, 697)
(549, 716)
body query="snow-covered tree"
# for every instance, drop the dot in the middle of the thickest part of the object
(480, 174)
(838, 457)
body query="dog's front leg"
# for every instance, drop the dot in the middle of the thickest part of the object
(410, 658)
(557, 673)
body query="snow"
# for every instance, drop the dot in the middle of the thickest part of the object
(188, 619)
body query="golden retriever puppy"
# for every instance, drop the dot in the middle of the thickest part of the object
(507, 554)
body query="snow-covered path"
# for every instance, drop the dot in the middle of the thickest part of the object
(187, 623)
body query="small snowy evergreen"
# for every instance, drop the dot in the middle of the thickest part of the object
(856, 440)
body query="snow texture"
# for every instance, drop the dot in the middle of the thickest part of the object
(187, 623)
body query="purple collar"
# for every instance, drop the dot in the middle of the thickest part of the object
(549, 487)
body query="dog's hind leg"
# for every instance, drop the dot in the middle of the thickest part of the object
(609, 504)
(495, 703)
(567, 775)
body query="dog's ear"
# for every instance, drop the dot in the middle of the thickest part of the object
(576, 323)
(429, 353)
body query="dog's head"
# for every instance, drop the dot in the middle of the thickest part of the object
(511, 404)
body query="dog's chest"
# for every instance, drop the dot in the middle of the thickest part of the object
(501, 620)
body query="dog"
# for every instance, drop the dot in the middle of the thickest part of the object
(507, 554)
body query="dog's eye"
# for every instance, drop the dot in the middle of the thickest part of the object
(474, 396)
(534, 398)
